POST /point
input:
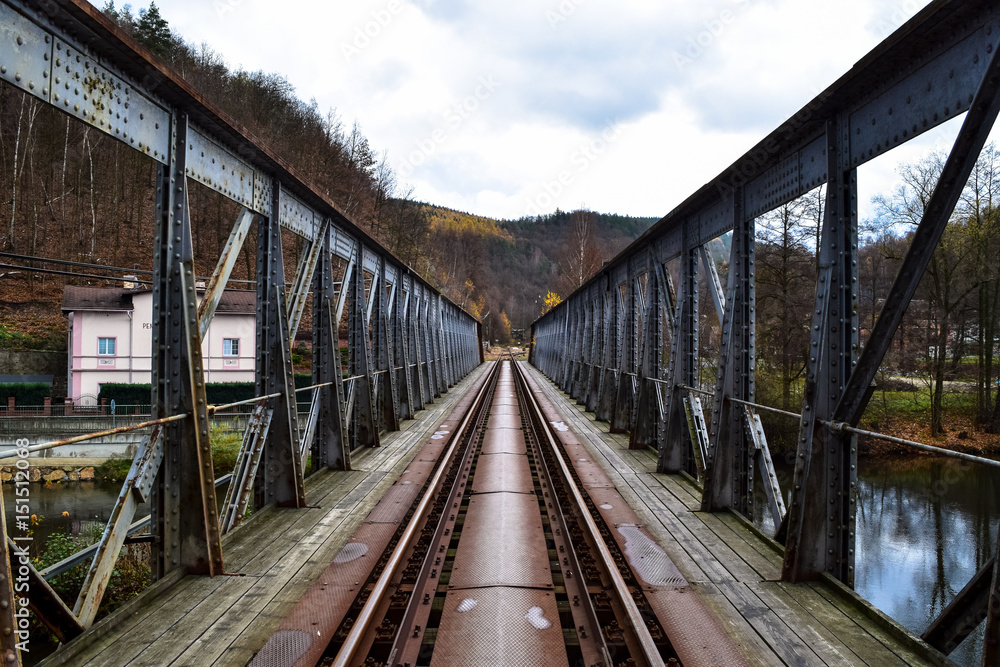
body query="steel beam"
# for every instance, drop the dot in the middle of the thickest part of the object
(186, 524)
(223, 270)
(821, 519)
(280, 479)
(729, 468)
(362, 425)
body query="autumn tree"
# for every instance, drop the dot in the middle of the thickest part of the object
(503, 329)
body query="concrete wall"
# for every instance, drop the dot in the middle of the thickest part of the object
(36, 362)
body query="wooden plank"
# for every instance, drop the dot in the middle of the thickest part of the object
(771, 628)
(865, 646)
(756, 650)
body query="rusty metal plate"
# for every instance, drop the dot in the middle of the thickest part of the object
(490, 627)
(695, 633)
(505, 399)
(504, 441)
(503, 472)
(592, 475)
(307, 630)
(418, 471)
(395, 503)
(504, 421)
(502, 544)
(504, 410)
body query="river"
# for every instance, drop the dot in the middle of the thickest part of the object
(925, 526)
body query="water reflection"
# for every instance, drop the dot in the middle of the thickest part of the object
(925, 527)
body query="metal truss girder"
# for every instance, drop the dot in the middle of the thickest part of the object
(763, 462)
(223, 269)
(9, 639)
(49, 608)
(825, 479)
(387, 397)
(964, 613)
(330, 445)
(697, 428)
(955, 174)
(280, 479)
(361, 406)
(188, 538)
(648, 424)
(729, 467)
(304, 278)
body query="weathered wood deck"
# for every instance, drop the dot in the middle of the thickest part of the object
(735, 569)
(191, 620)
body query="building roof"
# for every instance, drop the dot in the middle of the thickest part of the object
(238, 302)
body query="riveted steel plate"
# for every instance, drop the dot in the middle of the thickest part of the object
(25, 54)
(395, 503)
(502, 544)
(592, 476)
(504, 440)
(490, 627)
(220, 169)
(296, 216)
(504, 421)
(503, 472)
(695, 633)
(324, 605)
(95, 95)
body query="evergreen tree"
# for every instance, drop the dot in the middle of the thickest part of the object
(153, 31)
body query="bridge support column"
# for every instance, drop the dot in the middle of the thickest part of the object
(610, 375)
(677, 452)
(185, 522)
(623, 416)
(387, 398)
(363, 427)
(280, 478)
(729, 468)
(821, 519)
(330, 447)
(648, 422)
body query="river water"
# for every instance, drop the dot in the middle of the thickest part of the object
(925, 526)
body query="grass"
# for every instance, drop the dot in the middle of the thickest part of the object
(225, 449)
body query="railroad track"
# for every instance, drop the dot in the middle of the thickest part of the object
(487, 551)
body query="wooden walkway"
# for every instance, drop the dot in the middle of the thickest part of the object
(189, 620)
(735, 569)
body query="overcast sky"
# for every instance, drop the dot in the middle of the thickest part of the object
(515, 107)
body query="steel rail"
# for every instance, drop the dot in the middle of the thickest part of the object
(651, 653)
(360, 626)
(10, 453)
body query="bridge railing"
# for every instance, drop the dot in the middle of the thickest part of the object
(407, 343)
(626, 343)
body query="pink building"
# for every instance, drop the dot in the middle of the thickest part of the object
(111, 336)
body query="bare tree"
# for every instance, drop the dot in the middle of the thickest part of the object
(580, 257)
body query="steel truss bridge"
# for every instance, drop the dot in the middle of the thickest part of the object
(604, 345)
(408, 344)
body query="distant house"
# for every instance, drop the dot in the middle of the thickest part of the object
(111, 337)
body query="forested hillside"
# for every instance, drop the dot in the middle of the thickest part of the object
(72, 193)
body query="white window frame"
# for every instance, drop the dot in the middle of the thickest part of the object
(114, 343)
(230, 353)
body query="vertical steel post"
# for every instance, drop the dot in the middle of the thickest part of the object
(677, 452)
(401, 344)
(621, 418)
(644, 434)
(363, 427)
(280, 478)
(729, 468)
(608, 391)
(185, 521)
(821, 519)
(387, 395)
(330, 447)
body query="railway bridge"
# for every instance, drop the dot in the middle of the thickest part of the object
(432, 507)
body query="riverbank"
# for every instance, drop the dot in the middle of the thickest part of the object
(55, 470)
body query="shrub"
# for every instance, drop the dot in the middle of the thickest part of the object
(25, 393)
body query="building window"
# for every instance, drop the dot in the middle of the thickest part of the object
(231, 347)
(106, 347)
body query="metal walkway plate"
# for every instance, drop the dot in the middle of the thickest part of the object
(504, 421)
(502, 544)
(503, 472)
(500, 627)
(504, 440)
